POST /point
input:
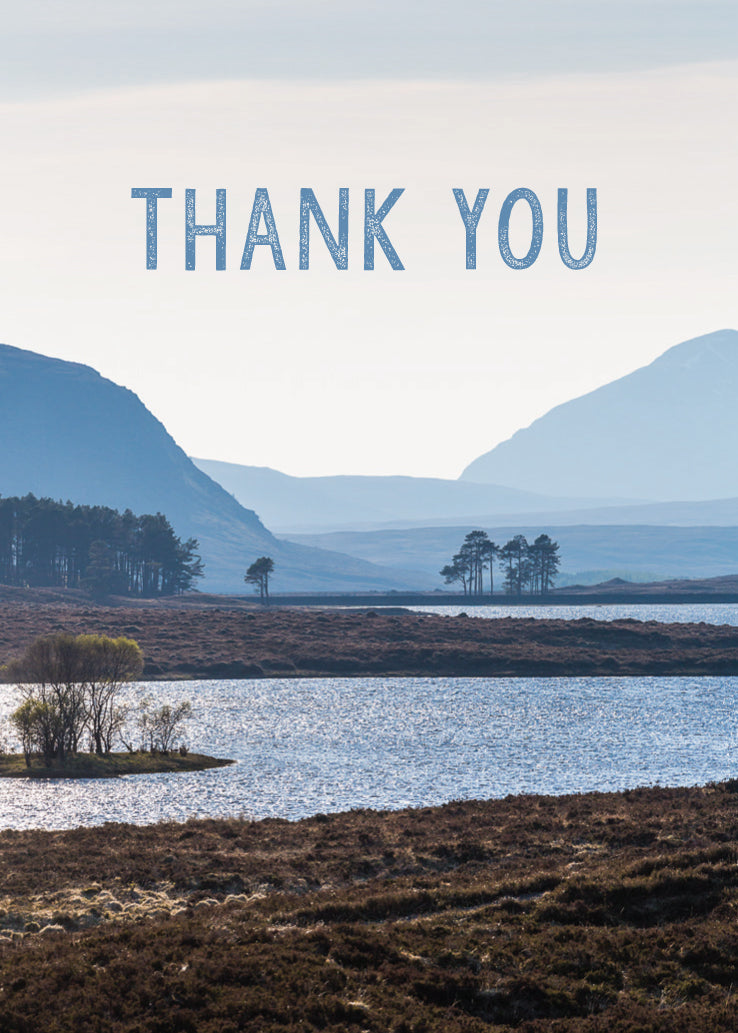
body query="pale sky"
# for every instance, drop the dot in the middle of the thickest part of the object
(324, 371)
(90, 43)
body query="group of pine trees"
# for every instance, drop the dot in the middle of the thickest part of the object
(526, 568)
(49, 543)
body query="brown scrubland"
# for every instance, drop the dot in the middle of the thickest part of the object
(211, 641)
(598, 912)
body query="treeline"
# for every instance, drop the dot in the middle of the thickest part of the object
(526, 568)
(44, 543)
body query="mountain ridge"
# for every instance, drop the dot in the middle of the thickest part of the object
(664, 431)
(346, 501)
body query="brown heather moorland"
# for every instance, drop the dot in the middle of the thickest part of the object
(580, 914)
(202, 640)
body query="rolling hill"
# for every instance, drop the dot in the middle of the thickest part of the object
(589, 553)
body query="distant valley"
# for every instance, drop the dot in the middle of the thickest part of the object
(589, 553)
(637, 479)
(316, 504)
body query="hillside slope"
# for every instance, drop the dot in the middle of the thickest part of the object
(69, 433)
(666, 431)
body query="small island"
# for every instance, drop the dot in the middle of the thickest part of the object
(109, 765)
(71, 687)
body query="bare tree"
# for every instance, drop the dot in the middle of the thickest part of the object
(159, 728)
(108, 664)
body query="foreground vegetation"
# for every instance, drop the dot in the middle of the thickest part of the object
(110, 765)
(583, 914)
(71, 687)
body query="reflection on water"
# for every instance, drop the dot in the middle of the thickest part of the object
(669, 613)
(305, 746)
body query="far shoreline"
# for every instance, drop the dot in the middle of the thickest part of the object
(214, 638)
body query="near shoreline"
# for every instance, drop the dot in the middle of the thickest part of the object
(217, 641)
(574, 914)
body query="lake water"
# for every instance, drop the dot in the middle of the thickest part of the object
(670, 613)
(319, 745)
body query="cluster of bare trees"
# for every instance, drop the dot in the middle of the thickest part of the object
(525, 568)
(158, 727)
(71, 688)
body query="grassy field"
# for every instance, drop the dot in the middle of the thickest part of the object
(591, 913)
(112, 765)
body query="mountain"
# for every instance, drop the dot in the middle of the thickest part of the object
(310, 504)
(666, 431)
(69, 433)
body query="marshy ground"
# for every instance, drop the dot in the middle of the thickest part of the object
(597, 912)
(211, 641)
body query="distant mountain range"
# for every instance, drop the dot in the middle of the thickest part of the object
(666, 431)
(711, 513)
(334, 503)
(589, 553)
(69, 433)
(597, 473)
(294, 506)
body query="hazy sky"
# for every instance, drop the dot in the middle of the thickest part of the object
(89, 43)
(327, 371)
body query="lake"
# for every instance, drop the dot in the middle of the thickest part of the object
(669, 613)
(320, 745)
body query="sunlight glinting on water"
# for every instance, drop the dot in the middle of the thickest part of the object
(667, 613)
(319, 745)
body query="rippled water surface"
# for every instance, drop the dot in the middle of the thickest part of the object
(305, 746)
(676, 613)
